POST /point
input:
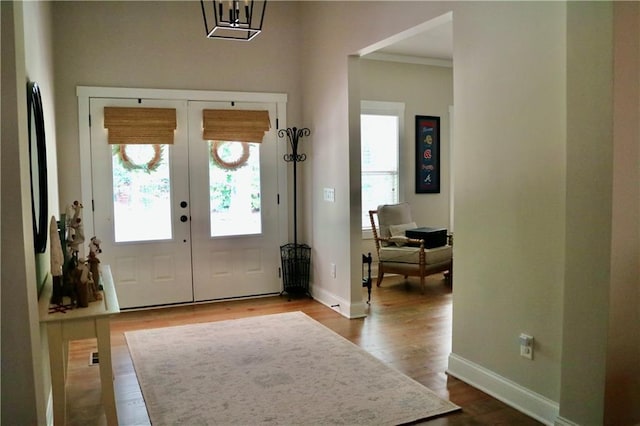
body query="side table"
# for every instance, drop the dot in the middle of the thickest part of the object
(76, 324)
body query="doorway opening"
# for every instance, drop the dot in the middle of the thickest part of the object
(415, 68)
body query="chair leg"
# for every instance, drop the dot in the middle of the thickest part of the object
(422, 279)
(380, 275)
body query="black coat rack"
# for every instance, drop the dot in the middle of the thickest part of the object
(296, 258)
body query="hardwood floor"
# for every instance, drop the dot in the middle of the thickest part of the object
(406, 329)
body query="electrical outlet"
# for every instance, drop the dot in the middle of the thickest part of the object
(333, 270)
(526, 346)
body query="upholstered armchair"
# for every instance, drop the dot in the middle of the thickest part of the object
(402, 255)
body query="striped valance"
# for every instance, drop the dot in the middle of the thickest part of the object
(234, 125)
(140, 125)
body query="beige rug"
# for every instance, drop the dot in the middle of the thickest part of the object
(284, 369)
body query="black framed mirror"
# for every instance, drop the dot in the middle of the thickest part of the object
(37, 167)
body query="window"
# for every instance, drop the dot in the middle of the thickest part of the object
(234, 190)
(141, 192)
(381, 129)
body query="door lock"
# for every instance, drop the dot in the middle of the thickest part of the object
(183, 204)
(183, 218)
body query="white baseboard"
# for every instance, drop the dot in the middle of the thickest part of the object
(522, 399)
(338, 304)
(49, 409)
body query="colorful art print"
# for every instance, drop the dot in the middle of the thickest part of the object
(427, 154)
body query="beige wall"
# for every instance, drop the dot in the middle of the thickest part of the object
(26, 55)
(622, 391)
(39, 67)
(588, 201)
(509, 84)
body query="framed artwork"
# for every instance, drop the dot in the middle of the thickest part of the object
(427, 154)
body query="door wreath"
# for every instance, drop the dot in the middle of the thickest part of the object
(229, 165)
(152, 165)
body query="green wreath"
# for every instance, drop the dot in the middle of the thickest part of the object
(150, 166)
(241, 161)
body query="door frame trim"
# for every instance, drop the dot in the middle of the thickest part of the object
(85, 93)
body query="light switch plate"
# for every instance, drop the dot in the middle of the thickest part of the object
(330, 195)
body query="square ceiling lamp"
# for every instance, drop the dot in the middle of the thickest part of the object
(233, 19)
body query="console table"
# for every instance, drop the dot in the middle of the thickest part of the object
(76, 324)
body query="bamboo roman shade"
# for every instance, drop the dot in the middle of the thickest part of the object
(234, 125)
(140, 125)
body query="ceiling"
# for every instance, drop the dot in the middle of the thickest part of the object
(435, 42)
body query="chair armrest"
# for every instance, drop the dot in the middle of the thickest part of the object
(416, 241)
(383, 240)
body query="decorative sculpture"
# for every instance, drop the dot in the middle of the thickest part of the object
(94, 267)
(75, 227)
(74, 278)
(57, 262)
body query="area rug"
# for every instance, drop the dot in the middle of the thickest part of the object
(282, 369)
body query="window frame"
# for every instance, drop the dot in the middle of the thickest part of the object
(396, 109)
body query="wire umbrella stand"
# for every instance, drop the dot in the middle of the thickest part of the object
(295, 258)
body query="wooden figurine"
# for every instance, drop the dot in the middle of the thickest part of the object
(57, 262)
(94, 265)
(94, 277)
(75, 226)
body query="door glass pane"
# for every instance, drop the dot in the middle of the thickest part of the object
(141, 193)
(234, 188)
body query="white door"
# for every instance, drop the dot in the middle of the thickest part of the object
(234, 208)
(192, 221)
(137, 196)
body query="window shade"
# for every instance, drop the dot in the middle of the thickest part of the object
(140, 125)
(234, 125)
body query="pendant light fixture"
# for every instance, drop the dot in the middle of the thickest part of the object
(233, 19)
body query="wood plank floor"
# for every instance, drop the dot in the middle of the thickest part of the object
(406, 329)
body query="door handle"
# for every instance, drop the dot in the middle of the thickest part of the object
(183, 218)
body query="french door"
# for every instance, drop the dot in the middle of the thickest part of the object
(190, 221)
(235, 231)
